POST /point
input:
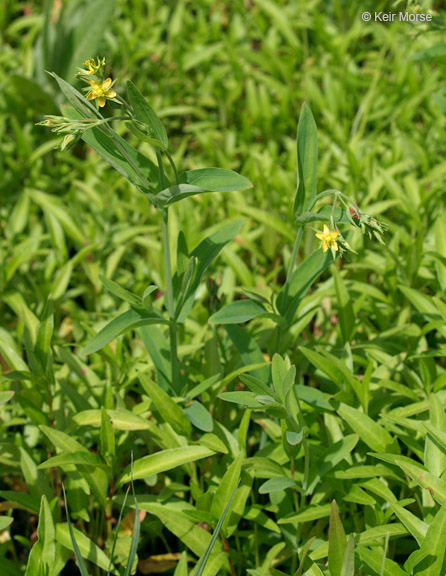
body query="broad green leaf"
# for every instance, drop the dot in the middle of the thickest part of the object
(276, 485)
(301, 280)
(414, 525)
(371, 433)
(194, 537)
(337, 542)
(120, 419)
(169, 410)
(329, 459)
(87, 548)
(21, 499)
(421, 302)
(436, 486)
(146, 115)
(374, 559)
(126, 321)
(308, 514)
(6, 396)
(200, 182)
(306, 161)
(164, 460)
(428, 560)
(238, 312)
(43, 554)
(226, 488)
(199, 416)
(216, 180)
(244, 398)
(5, 521)
(72, 458)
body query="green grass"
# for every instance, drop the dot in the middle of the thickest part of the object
(365, 424)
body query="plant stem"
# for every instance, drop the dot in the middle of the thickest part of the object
(170, 304)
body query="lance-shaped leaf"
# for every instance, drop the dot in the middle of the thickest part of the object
(306, 161)
(238, 312)
(6, 396)
(147, 116)
(133, 318)
(163, 461)
(202, 181)
(428, 560)
(324, 215)
(205, 252)
(301, 280)
(42, 556)
(337, 542)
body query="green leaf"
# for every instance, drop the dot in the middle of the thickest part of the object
(200, 182)
(87, 34)
(43, 554)
(126, 321)
(72, 458)
(374, 559)
(120, 292)
(120, 419)
(181, 569)
(227, 486)
(428, 560)
(329, 459)
(345, 308)
(412, 523)
(5, 521)
(146, 115)
(164, 460)
(277, 485)
(200, 567)
(6, 396)
(306, 161)
(337, 542)
(244, 398)
(324, 215)
(238, 312)
(308, 514)
(434, 451)
(169, 410)
(205, 253)
(301, 280)
(370, 432)
(348, 564)
(199, 416)
(130, 163)
(107, 436)
(72, 538)
(436, 486)
(21, 499)
(216, 180)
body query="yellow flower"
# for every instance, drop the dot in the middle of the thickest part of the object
(92, 66)
(328, 239)
(101, 91)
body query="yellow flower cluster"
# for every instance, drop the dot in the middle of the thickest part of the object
(99, 89)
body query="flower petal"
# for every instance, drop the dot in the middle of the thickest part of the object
(106, 84)
(102, 101)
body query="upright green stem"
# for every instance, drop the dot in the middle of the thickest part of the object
(173, 328)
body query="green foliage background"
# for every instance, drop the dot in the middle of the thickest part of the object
(228, 80)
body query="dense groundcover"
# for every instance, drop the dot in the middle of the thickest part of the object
(296, 425)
